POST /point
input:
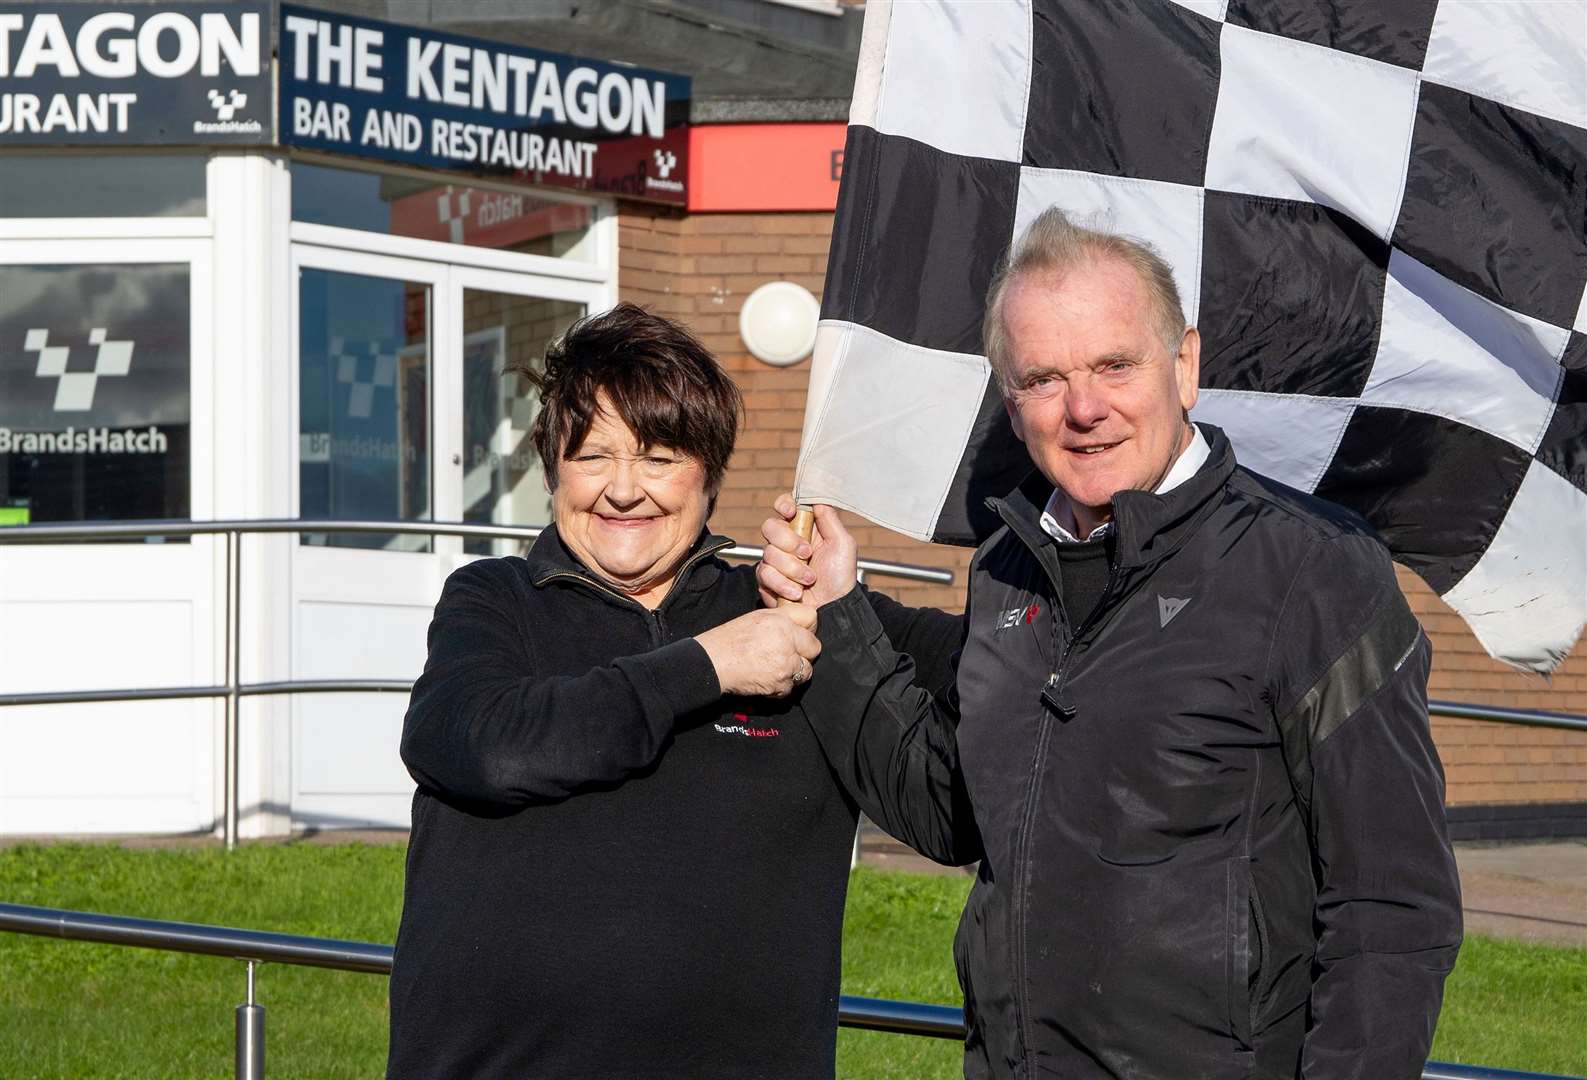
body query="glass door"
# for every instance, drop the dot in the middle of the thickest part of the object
(364, 380)
(410, 408)
(368, 363)
(506, 326)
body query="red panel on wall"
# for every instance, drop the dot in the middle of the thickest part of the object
(765, 166)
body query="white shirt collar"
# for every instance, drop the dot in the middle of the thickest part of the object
(1058, 519)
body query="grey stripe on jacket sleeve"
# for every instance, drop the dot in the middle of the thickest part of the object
(1349, 682)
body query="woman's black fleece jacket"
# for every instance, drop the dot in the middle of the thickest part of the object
(614, 871)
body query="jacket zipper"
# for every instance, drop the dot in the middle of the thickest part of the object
(1058, 681)
(1052, 694)
(1021, 1008)
(658, 624)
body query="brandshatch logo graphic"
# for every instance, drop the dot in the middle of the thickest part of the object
(74, 390)
(74, 393)
(227, 104)
(521, 416)
(362, 367)
(454, 220)
(665, 161)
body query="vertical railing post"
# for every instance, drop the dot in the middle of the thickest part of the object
(250, 1035)
(233, 676)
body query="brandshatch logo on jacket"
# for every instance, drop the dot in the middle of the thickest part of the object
(744, 729)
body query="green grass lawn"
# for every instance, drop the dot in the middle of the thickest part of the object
(75, 1010)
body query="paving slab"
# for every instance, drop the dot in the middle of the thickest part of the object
(1534, 892)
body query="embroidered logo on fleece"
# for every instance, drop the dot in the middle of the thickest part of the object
(1020, 616)
(746, 730)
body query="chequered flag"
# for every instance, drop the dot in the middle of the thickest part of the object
(1376, 211)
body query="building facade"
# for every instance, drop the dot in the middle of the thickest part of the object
(293, 311)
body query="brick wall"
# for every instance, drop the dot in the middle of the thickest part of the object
(699, 268)
(1500, 763)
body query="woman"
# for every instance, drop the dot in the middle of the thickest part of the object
(627, 859)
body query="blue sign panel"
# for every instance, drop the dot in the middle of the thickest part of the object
(131, 74)
(415, 96)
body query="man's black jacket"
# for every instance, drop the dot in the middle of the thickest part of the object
(1210, 820)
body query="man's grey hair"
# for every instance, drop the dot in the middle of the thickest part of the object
(1054, 244)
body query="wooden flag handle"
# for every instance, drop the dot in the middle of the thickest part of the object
(804, 523)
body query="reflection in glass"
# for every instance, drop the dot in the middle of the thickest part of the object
(101, 185)
(363, 404)
(452, 213)
(95, 372)
(503, 482)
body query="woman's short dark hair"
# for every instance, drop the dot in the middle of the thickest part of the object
(664, 384)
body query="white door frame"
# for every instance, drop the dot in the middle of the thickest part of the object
(102, 578)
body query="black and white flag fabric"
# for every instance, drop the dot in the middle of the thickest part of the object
(1376, 211)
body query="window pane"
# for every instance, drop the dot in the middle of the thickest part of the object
(503, 482)
(94, 392)
(364, 404)
(101, 185)
(453, 213)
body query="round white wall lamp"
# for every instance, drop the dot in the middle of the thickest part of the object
(778, 323)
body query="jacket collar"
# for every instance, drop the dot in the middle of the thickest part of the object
(1147, 527)
(549, 558)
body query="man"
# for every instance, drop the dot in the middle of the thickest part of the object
(1188, 739)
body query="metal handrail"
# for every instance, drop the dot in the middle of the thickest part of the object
(1456, 710)
(234, 689)
(235, 944)
(178, 693)
(127, 530)
(256, 946)
(1453, 710)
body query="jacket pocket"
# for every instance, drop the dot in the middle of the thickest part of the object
(968, 933)
(1259, 951)
(970, 942)
(1238, 967)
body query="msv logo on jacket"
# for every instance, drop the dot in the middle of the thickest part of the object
(1019, 616)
